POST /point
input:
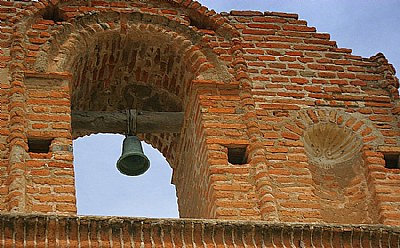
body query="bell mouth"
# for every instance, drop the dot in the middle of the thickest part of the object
(133, 165)
(132, 162)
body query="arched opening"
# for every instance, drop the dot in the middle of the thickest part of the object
(145, 70)
(102, 190)
(142, 71)
(115, 73)
(143, 63)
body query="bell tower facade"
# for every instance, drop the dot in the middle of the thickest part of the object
(269, 122)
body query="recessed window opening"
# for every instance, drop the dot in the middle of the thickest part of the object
(53, 13)
(38, 145)
(237, 155)
(392, 161)
(102, 190)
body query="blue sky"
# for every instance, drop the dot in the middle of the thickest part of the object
(366, 26)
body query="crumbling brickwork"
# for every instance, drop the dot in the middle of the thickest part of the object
(279, 123)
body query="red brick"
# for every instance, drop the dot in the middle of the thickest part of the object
(290, 135)
(299, 28)
(266, 79)
(268, 19)
(246, 13)
(310, 48)
(264, 26)
(258, 31)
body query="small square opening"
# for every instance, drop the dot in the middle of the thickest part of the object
(237, 155)
(39, 145)
(392, 161)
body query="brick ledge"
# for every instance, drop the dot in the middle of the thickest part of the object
(93, 231)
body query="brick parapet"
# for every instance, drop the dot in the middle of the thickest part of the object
(79, 231)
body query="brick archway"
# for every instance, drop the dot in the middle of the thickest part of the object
(144, 60)
(147, 66)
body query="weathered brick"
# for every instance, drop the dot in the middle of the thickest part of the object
(266, 81)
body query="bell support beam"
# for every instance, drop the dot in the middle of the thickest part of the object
(89, 122)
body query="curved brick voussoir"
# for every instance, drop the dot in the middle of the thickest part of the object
(355, 123)
(91, 23)
(190, 12)
(157, 51)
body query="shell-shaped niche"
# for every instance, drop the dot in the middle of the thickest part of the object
(329, 145)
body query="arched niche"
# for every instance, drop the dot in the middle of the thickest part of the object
(335, 143)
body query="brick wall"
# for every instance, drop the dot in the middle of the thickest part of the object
(49, 176)
(258, 91)
(300, 78)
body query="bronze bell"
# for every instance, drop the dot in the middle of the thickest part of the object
(132, 162)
